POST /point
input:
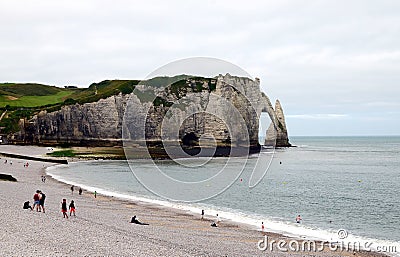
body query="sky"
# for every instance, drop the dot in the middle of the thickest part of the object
(334, 65)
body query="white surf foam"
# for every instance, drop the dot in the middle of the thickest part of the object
(290, 229)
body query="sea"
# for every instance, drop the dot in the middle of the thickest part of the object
(344, 188)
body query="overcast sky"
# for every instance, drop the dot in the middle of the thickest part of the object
(334, 65)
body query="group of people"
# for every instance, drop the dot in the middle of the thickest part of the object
(298, 220)
(38, 202)
(214, 223)
(64, 209)
(73, 188)
(218, 220)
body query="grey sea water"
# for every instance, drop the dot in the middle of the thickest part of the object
(350, 183)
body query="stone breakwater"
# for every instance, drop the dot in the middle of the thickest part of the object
(222, 112)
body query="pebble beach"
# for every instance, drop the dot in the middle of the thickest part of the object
(102, 225)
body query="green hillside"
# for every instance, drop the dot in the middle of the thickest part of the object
(20, 101)
(31, 95)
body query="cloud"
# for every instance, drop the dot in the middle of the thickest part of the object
(309, 54)
(318, 116)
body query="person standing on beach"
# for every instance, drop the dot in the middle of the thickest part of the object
(36, 200)
(95, 194)
(202, 214)
(262, 226)
(64, 208)
(72, 189)
(72, 208)
(80, 191)
(218, 220)
(41, 201)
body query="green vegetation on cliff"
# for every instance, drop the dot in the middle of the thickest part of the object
(31, 95)
(23, 100)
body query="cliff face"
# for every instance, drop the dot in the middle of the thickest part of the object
(222, 111)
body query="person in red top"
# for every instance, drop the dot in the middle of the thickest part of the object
(36, 200)
(72, 208)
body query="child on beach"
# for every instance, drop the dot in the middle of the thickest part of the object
(72, 208)
(64, 208)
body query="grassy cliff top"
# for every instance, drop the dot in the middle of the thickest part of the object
(23, 100)
(29, 95)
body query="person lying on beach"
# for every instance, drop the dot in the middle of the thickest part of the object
(27, 206)
(135, 221)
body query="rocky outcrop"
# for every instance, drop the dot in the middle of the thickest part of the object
(277, 132)
(222, 111)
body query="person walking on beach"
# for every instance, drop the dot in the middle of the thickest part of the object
(36, 199)
(64, 208)
(95, 194)
(298, 219)
(72, 208)
(202, 214)
(80, 191)
(72, 189)
(262, 226)
(42, 197)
